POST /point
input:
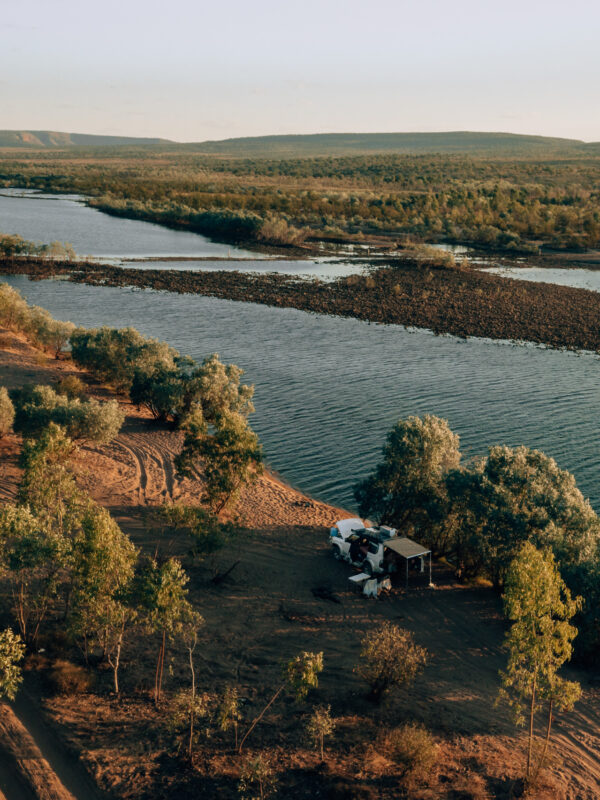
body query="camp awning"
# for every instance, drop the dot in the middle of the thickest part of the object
(406, 547)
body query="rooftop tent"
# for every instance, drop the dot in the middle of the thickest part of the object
(407, 549)
(346, 526)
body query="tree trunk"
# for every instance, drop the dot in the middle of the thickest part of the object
(193, 704)
(530, 745)
(260, 716)
(162, 663)
(116, 669)
(540, 764)
(158, 673)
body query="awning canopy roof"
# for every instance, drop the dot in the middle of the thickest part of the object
(406, 547)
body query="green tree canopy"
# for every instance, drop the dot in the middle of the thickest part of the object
(407, 488)
(539, 642)
(517, 495)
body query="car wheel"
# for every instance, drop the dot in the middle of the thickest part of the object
(368, 568)
(336, 553)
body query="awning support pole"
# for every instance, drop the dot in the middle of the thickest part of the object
(407, 574)
(430, 567)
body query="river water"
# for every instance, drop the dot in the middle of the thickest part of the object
(66, 218)
(328, 389)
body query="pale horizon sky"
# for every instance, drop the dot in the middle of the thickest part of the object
(191, 71)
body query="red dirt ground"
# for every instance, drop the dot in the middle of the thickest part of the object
(267, 611)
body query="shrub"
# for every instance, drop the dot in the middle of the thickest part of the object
(47, 332)
(70, 386)
(69, 679)
(389, 657)
(113, 355)
(412, 748)
(7, 412)
(13, 308)
(257, 778)
(37, 406)
(319, 725)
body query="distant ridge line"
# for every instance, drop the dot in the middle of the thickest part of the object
(279, 146)
(44, 139)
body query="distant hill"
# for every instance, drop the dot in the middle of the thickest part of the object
(503, 145)
(42, 139)
(340, 144)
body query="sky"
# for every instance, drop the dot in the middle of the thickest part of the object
(192, 71)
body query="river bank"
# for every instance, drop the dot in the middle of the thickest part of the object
(464, 302)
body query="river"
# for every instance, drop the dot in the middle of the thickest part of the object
(328, 389)
(66, 218)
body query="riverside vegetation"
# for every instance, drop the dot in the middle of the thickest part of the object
(514, 203)
(69, 571)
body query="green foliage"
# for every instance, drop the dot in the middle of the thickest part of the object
(229, 712)
(12, 651)
(45, 331)
(161, 595)
(407, 488)
(413, 749)
(13, 308)
(36, 323)
(174, 390)
(103, 560)
(518, 495)
(113, 355)
(161, 389)
(539, 642)
(320, 725)
(48, 485)
(70, 386)
(219, 390)
(57, 540)
(32, 556)
(207, 534)
(38, 406)
(258, 779)
(7, 412)
(547, 194)
(183, 704)
(389, 657)
(301, 673)
(231, 456)
(13, 246)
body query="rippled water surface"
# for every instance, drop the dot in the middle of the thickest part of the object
(578, 278)
(66, 218)
(328, 389)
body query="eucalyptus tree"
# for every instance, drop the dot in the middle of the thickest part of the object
(299, 675)
(103, 560)
(160, 594)
(539, 642)
(33, 556)
(407, 488)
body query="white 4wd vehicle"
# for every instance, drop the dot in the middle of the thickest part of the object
(360, 546)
